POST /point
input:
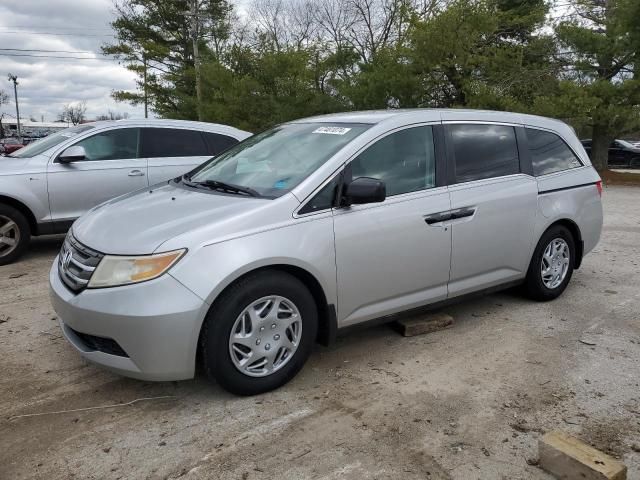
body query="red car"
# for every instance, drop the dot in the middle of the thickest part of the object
(9, 145)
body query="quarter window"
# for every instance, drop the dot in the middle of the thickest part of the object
(404, 160)
(324, 199)
(484, 151)
(217, 142)
(549, 153)
(118, 144)
(172, 142)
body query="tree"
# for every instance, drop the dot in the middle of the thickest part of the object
(484, 54)
(600, 88)
(4, 99)
(159, 40)
(73, 112)
(110, 115)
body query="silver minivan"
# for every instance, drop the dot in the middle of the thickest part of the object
(317, 225)
(46, 185)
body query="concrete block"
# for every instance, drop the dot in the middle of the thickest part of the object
(427, 323)
(567, 458)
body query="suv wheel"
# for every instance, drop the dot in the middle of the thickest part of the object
(14, 234)
(259, 333)
(551, 267)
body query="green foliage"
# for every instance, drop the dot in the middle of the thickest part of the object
(495, 54)
(599, 91)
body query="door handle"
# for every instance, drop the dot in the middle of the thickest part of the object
(136, 173)
(462, 213)
(437, 218)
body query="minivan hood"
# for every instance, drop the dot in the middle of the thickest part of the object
(139, 222)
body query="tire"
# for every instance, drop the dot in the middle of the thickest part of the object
(224, 326)
(539, 288)
(14, 228)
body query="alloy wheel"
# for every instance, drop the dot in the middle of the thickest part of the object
(9, 235)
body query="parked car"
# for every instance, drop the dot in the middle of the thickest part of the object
(621, 153)
(9, 145)
(321, 224)
(46, 185)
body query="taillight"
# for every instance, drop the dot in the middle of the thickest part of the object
(599, 187)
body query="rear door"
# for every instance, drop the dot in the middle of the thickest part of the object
(111, 168)
(171, 152)
(493, 206)
(394, 255)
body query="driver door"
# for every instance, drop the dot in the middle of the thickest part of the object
(394, 255)
(111, 168)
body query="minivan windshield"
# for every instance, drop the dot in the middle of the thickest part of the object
(44, 144)
(272, 163)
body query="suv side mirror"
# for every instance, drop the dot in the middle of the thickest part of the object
(365, 190)
(72, 154)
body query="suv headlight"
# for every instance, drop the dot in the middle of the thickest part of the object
(115, 270)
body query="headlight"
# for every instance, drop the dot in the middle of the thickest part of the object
(114, 270)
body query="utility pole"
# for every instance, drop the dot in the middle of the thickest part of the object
(14, 79)
(195, 27)
(144, 73)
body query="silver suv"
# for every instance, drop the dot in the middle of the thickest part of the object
(46, 185)
(320, 224)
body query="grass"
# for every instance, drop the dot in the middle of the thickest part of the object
(620, 178)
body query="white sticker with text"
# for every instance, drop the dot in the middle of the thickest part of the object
(332, 130)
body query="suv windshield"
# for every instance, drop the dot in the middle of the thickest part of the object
(39, 146)
(273, 162)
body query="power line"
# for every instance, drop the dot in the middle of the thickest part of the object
(50, 56)
(59, 34)
(42, 50)
(89, 27)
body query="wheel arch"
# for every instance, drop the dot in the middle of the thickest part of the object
(22, 208)
(577, 237)
(327, 321)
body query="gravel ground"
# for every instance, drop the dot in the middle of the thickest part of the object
(463, 403)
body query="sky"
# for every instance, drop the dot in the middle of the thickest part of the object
(45, 85)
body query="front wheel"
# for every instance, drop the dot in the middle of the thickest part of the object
(259, 333)
(551, 267)
(14, 234)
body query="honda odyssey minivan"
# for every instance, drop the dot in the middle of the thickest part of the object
(320, 224)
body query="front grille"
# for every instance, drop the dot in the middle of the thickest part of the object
(101, 344)
(76, 263)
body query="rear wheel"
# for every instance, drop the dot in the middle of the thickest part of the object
(259, 333)
(14, 234)
(551, 267)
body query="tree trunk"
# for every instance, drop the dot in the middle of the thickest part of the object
(600, 142)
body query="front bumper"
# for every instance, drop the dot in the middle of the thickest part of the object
(156, 323)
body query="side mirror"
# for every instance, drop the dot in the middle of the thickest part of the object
(365, 190)
(72, 154)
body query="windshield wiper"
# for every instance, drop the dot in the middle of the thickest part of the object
(223, 186)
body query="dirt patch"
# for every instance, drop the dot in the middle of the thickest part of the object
(466, 402)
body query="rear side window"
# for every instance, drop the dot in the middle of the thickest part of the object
(172, 142)
(484, 151)
(217, 142)
(549, 153)
(404, 160)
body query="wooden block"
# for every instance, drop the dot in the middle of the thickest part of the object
(567, 458)
(428, 323)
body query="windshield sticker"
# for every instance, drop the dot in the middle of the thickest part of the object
(332, 130)
(280, 184)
